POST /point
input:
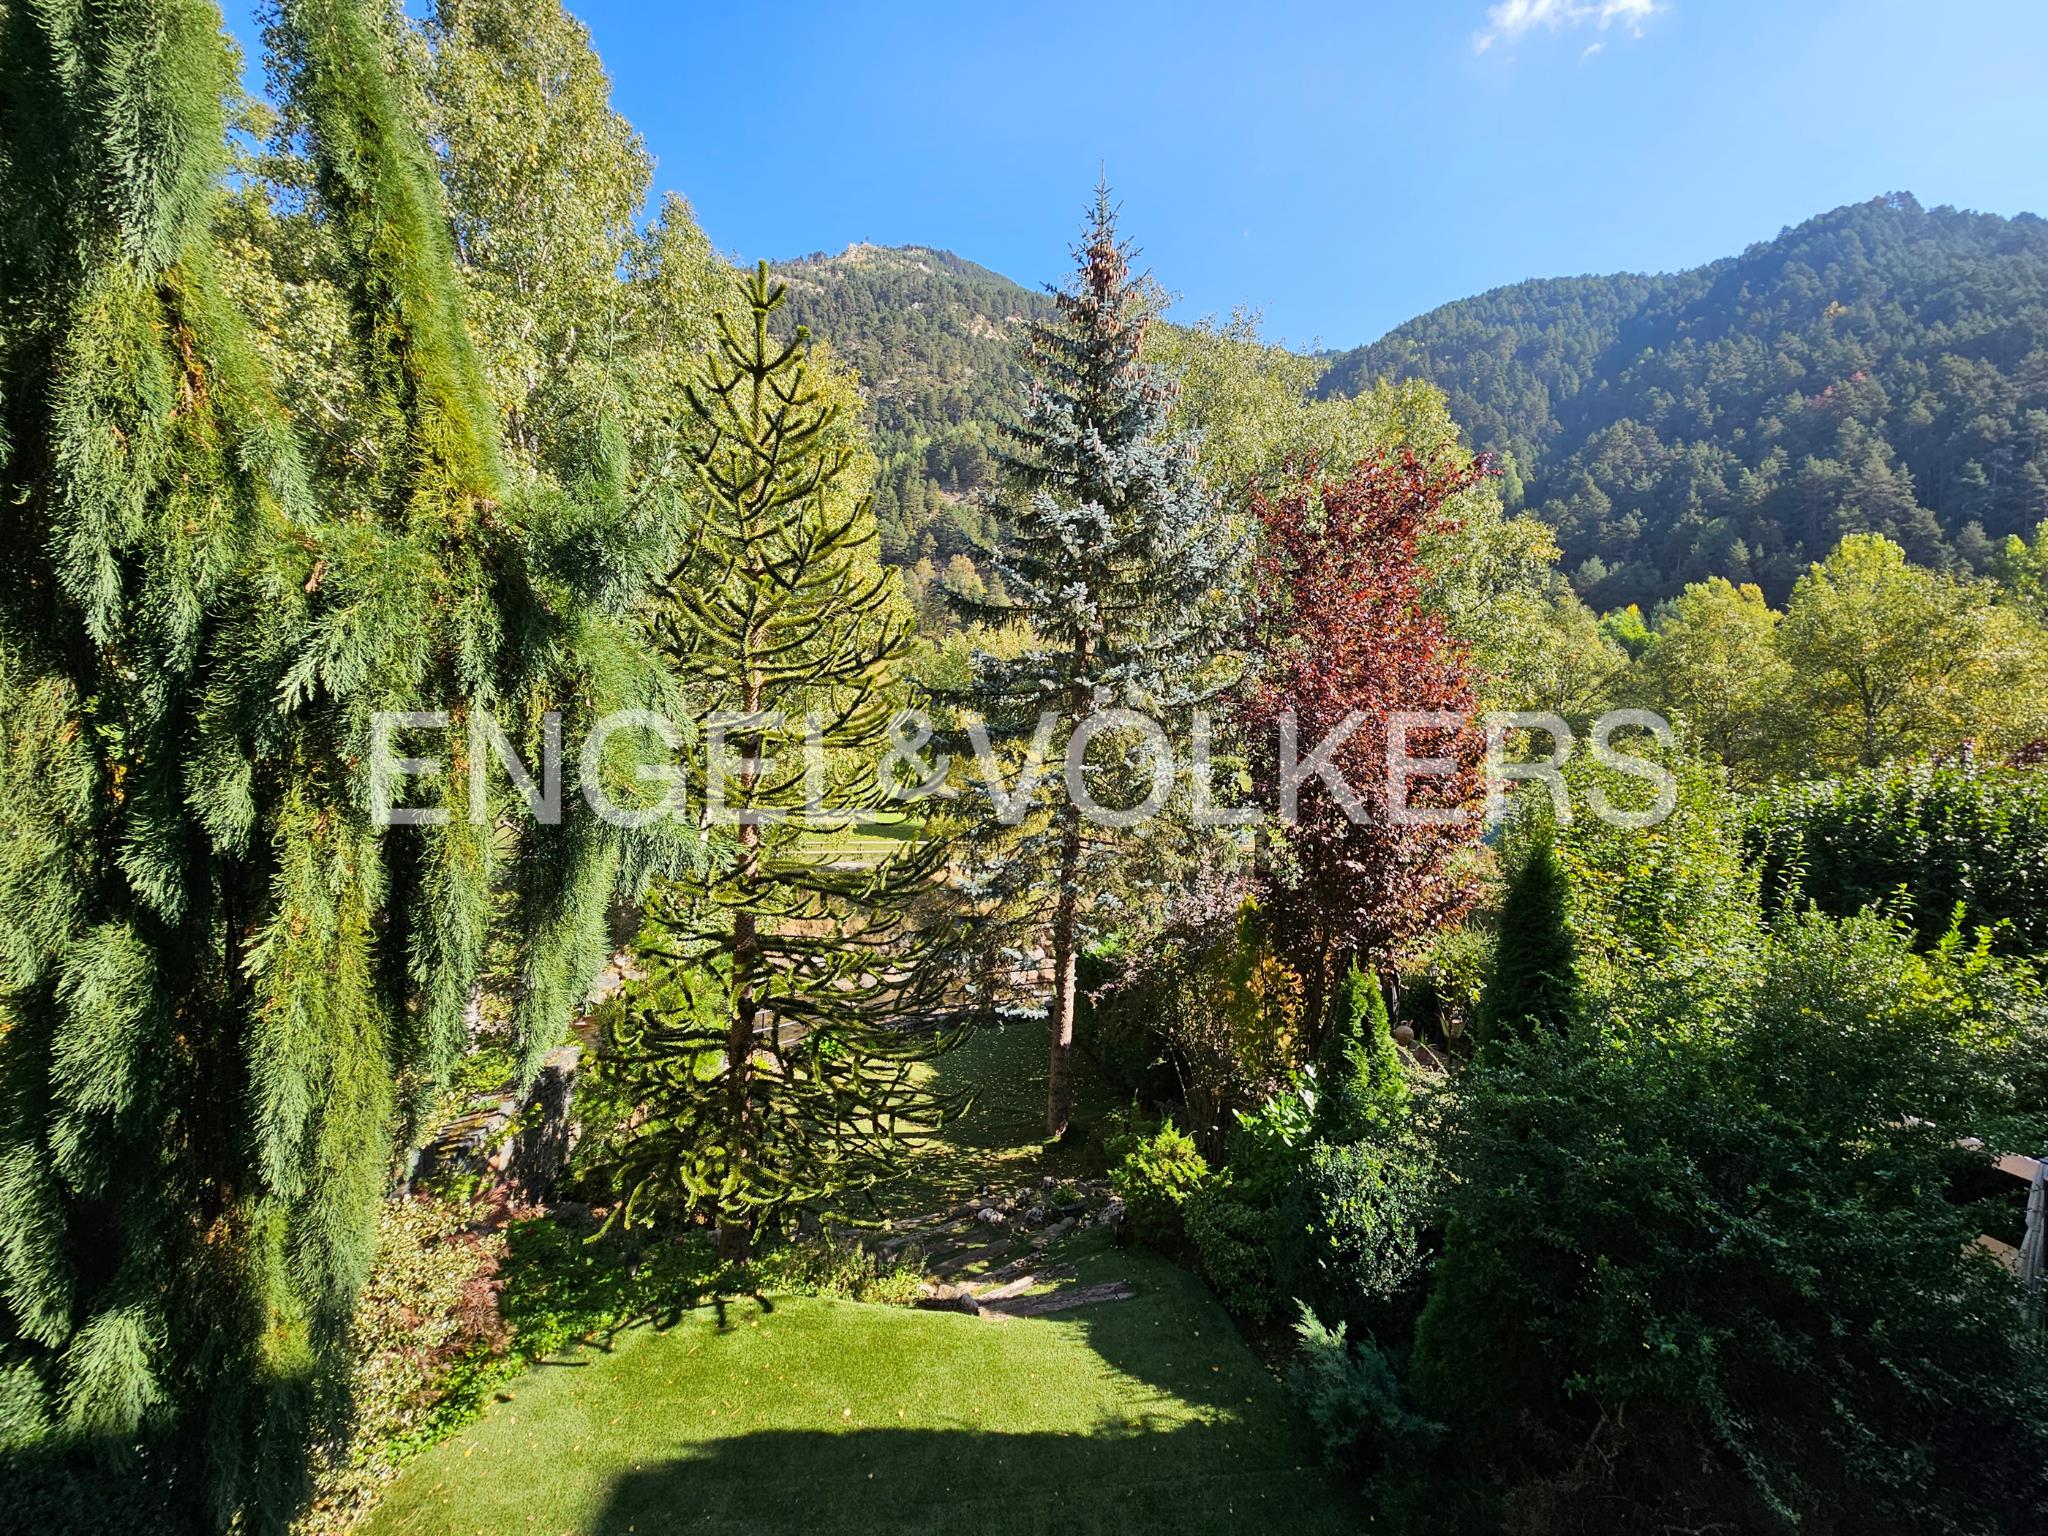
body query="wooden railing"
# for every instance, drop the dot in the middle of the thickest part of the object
(2030, 1259)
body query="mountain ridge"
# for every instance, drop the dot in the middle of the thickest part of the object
(1879, 367)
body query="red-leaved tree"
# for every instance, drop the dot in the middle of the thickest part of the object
(1345, 638)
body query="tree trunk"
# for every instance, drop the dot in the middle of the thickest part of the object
(735, 1228)
(735, 1236)
(1065, 922)
(1066, 918)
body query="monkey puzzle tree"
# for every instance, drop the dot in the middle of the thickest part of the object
(220, 977)
(775, 1048)
(1114, 561)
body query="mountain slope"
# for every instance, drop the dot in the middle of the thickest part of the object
(935, 339)
(1883, 367)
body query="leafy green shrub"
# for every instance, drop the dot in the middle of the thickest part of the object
(1660, 909)
(826, 1266)
(1234, 1239)
(427, 1312)
(1154, 1180)
(1353, 1396)
(1940, 838)
(1212, 1008)
(1115, 1136)
(1232, 1220)
(1267, 1144)
(1356, 1227)
(1705, 1274)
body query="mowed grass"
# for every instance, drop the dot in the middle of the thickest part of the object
(876, 835)
(805, 1416)
(999, 1140)
(767, 1415)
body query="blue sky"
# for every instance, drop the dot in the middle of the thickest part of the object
(1339, 167)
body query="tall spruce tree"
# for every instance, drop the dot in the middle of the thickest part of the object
(1112, 561)
(221, 979)
(790, 1000)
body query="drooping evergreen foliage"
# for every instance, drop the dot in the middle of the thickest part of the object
(1931, 843)
(1533, 981)
(223, 981)
(791, 999)
(1113, 560)
(1875, 369)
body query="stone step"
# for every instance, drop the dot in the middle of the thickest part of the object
(960, 1259)
(1062, 1300)
(1017, 1285)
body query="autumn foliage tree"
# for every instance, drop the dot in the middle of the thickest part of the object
(1363, 859)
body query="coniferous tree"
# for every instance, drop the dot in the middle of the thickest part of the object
(1533, 982)
(1361, 1080)
(791, 999)
(1114, 560)
(222, 978)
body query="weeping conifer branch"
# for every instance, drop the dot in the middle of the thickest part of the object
(220, 980)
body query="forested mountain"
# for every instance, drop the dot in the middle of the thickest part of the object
(1881, 368)
(935, 339)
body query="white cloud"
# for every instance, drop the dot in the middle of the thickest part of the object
(1511, 20)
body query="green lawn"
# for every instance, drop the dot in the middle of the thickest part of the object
(774, 1415)
(1000, 1140)
(805, 1416)
(875, 835)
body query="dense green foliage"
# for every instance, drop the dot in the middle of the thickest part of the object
(1533, 982)
(1155, 1179)
(576, 291)
(1361, 1082)
(1873, 660)
(1934, 845)
(228, 988)
(1709, 1269)
(1876, 369)
(1355, 1398)
(1357, 1226)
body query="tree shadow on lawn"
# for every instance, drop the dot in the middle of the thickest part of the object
(1192, 1479)
(1199, 1439)
(1000, 1140)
